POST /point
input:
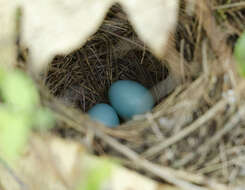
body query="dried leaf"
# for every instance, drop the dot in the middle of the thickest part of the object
(58, 27)
(152, 20)
(8, 10)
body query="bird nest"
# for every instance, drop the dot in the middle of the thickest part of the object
(197, 126)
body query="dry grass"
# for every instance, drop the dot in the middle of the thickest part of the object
(195, 136)
(113, 53)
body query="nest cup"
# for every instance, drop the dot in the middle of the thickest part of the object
(82, 78)
(185, 130)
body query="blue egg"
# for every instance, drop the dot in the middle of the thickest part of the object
(130, 98)
(105, 114)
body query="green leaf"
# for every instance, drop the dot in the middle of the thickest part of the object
(44, 119)
(14, 132)
(239, 54)
(2, 73)
(96, 176)
(19, 91)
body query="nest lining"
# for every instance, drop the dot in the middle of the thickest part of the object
(83, 77)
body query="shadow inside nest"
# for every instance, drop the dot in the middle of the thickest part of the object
(83, 78)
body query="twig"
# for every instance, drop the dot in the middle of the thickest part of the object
(21, 184)
(231, 5)
(157, 170)
(155, 127)
(214, 167)
(228, 127)
(170, 175)
(182, 45)
(178, 178)
(205, 58)
(188, 130)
